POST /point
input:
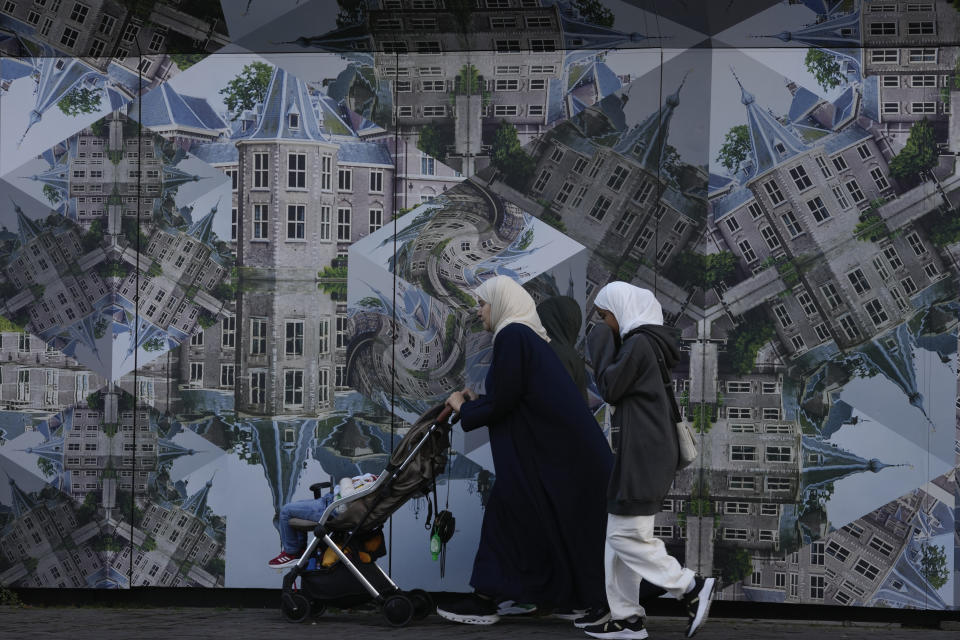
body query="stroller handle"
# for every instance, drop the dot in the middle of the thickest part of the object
(447, 413)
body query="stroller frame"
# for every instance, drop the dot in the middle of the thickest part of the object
(397, 606)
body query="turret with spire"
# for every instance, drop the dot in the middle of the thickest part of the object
(648, 140)
(770, 141)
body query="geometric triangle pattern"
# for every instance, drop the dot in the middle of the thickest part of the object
(240, 242)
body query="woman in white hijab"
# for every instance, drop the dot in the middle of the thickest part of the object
(541, 541)
(632, 353)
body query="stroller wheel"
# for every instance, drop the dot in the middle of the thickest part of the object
(295, 607)
(422, 604)
(318, 608)
(398, 610)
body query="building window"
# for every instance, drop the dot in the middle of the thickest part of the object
(96, 46)
(741, 482)
(732, 224)
(261, 169)
(325, 223)
(908, 285)
(854, 189)
(156, 42)
(617, 178)
(296, 221)
(196, 373)
(734, 534)
(806, 303)
(226, 375)
(506, 110)
(228, 332)
(876, 312)
(293, 388)
(326, 171)
(344, 179)
(376, 219)
(69, 37)
(344, 216)
(196, 339)
(923, 81)
(734, 386)
(542, 181)
(773, 191)
(881, 546)
(664, 253)
(438, 111)
(770, 236)
(233, 223)
(258, 387)
(294, 338)
(739, 413)
(747, 251)
(107, 22)
(260, 222)
(913, 238)
(800, 178)
(923, 107)
(755, 211)
(849, 327)
(779, 454)
(323, 346)
(258, 336)
(296, 170)
(817, 586)
(743, 453)
(781, 312)
(323, 387)
(883, 28)
(881, 181)
(818, 209)
(600, 207)
(778, 484)
(542, 45)
(859, 281)
(739, 508)
(791, 224)
(427, 165)
(867, 570)
(922, 56)
(506, 46)
(884, 56)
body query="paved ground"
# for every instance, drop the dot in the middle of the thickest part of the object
(91, 623)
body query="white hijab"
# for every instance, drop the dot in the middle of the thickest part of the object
(510, 303)
(630, 305)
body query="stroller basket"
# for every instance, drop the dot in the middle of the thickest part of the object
(418, 459)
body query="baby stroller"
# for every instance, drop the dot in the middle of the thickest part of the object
(339, 566)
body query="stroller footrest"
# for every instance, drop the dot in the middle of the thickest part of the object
(302, 525)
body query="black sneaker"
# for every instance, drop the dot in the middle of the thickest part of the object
(471, 609)
(593, 617)
(618, 630)
(511, 608)
(697, 603)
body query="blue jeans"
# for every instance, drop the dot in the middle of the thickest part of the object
(295, 542)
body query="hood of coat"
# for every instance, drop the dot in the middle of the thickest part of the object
(561, 317)
(667, 338)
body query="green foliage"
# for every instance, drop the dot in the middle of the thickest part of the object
(9, 598)
(80, 100)
(945, 229)
(186, 60)
(702, 417)
(6, 324)
(595, 12)
(553, 219)
(95, 401)
(920, 154)
(745, 341)
(705, 271)
(465, 299)
(509, 157)
(46, 467)
(433, 141)
(247, 89)
(154, 270)
(824, 68)
(735, 149)
(216, 566)
(149, 544)
(52, 194)
(93, 237)
(872, 227)
(933, 565)
(85, 512)
(449, 333)
(734, 564)
(206, 320)
(627, 270)
(191, 292)
(153, 344)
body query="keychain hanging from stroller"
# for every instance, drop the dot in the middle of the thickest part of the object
(444, 524)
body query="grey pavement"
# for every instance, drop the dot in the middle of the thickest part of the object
(241, 624)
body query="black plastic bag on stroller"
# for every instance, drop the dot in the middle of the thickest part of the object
(339, 566)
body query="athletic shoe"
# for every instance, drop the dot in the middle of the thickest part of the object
(511, 608)
(697, 603)
(283, 561)
(471, 609)
(568, 614)
(595, 616)
(618, 630)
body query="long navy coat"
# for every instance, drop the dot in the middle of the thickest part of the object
(543, 531)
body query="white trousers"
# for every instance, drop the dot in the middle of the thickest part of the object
(631, 555)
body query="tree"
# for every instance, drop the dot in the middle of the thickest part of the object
(594, 12)
(186, 60)
(247, 89)
(734, 564)
(933, 565)
(920, 154)
(433, 141)
(52, 194)
(509, 157)
(824, 68)
(80, 100)
(745, 341)
(735, 149)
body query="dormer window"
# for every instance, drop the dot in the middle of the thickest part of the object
(780, 148)
(293, 120)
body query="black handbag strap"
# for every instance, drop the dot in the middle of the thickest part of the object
(664, 374)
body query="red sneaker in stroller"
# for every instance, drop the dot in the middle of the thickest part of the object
(339, 566)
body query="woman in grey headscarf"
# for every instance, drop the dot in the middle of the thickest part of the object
(561, 317)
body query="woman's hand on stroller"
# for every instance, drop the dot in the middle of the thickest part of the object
(455, 400)
(469, 394)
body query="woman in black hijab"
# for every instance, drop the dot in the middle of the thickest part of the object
(561, 317)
